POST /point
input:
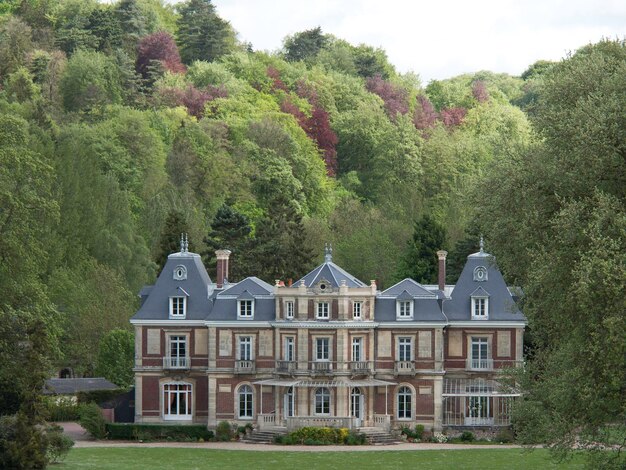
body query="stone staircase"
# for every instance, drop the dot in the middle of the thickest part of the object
(378, 437)
(265, 436)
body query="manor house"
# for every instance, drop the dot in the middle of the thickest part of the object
(329, 350)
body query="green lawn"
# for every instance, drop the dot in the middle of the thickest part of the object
(194, 459)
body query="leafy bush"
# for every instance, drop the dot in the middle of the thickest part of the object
(467, 436)
(58, 444)
(62, 409)
(313, 436)
(158, 432)
(505, 436)
(419, 431)
(223, 431)
(416, 434)
(92, 420)
(22, 445)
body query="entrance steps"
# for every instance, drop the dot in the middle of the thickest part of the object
(378, 437)
(265, 436)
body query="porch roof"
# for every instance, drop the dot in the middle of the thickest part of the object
(324, 383)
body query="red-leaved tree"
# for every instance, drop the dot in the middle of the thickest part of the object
(479, 90)
(452, 117)
(158, 49)
(191, 98)
(425, 115)
(395, 97)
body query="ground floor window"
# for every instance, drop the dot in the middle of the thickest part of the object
(322, 401)
(177, 401)
(404, 403)
(245, 401)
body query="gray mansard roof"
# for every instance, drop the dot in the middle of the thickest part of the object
(501, 305)
(195, 287)
(251, 288)
(331, 273)
(426, 305)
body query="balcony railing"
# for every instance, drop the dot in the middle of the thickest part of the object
(479, 364)
(321, 367)
(244, 367)
(176, 362)
(361, 367)
(404, 368)
(286, 367)
(320, 421)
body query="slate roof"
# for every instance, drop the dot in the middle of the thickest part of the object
(73, 386)
(331, 273)
(196, 287)
(426, 305)
(501, 304)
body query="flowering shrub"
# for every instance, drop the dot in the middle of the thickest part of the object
(440, 438)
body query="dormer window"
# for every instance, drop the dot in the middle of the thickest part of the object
(180, 273)
(323, 310)
(480, 274)
(245, 309)
(178, 307)
(480, 308)
(357, 310)
(289, 309)
(404, 310)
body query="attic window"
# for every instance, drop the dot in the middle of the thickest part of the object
(480, 274)
(245, 309)
(480, 308)
(180, 273)
(404, 310)
(178, 307)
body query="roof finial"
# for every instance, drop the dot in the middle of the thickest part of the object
(186, 247)
(328, 252)
(482, 243)
(182, 242)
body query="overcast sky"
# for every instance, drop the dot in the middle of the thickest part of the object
(438, 38)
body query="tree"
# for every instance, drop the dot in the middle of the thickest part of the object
(230, 230)
(116, 357)
(15, 43)
(563, 242)
(420, 260)
(394, 96)
(169, 243)
(158, 49)
(304, 45)
(105, 27)
(202, 34)
(425, 115)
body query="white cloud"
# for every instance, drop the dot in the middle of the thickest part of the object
(438, 39)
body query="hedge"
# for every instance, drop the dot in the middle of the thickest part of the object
(158, 432)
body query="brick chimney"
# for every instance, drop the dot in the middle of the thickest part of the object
(441, 255)
(222, 267)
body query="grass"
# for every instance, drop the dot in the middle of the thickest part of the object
(129, 458)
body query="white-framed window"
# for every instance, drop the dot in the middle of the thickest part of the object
(322, 349)
(357, 349)
(357, 310)
(479, 355)
(245, 309)
(178, 307)
(245, 348)
(405, 349)
(322, 401)
(177, 351)
(290, 349)
(289, 309)
(245, 402)
(405, 402)
(404, 310)
(480, 308)
(323, 310)
(177, 401)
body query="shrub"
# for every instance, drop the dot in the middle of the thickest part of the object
(322, 436)
(92, 420)
(439, 438)
(223, 431)
(158, 432)
(22, 445)
(62, 409)
(419, 431)
(505, 436)
(58, 444)
(467, 436)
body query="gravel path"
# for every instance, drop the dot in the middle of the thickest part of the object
(81, 439)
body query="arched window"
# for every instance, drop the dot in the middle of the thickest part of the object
(404, 403)
(245, 401)
(322, 401)
(177, 401)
